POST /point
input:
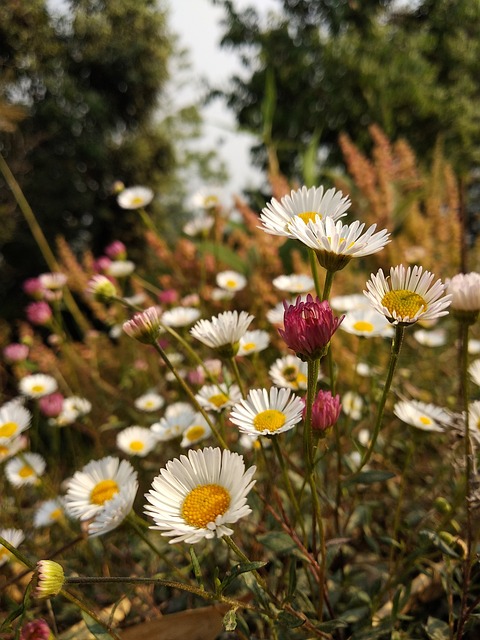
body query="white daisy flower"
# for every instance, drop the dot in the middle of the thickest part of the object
(465, 291)
(98, 482)
(150, 401)
(224, 331)
(217, 397)
(426, 417)
(173, 425)
(253, 342)
(198, 496)
(473, 347)
(407, 295)
(208, 198)
(251, 442)
(197, 431)
(220, 295)
(435, 338)
(134, 197)
(14, 419)
(335, 244)
(474, 419)
(364, 370)
(350, 302)
(367, 323)
(289, 372)
(53, 281)
(48, 513)
(37, 385)
(115, 510)
(352, 405)
(179, 408)
(303, 204)
(295, 283)
(136, 441)
(10, 448)
(231, 280)
(81, 406)
(267, 413)
(13, 536)
(120, 268)
(180, 316)
(26, 468)
(199, 225)
(474, 371)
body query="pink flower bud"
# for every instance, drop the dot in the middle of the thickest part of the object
(36, 630)
(51, 405)
(39, 313)
(116, 250)
(15, 352)
(325, 410)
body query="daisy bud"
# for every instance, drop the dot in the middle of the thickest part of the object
(36, 630)
(101, 288)
(465, 291)
(116, 250)
(145, 326)
(309, 327)
(39, 313)
(325, 410)
(50, 579)
(15, 352)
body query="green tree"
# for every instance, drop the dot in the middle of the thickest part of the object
(91, 82)
(343, 65)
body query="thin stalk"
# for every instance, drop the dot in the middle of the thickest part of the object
(236, 373)
(314, 269)
(286, 479)
(312, 378)
(327, 287)
(394, 353)
(132, 521)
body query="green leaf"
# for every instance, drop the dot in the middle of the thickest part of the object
(224, 254)
(438, 543)
(289, 620)
(96, 629)
(437, 629)
(230, 620)
(369, 477)
(196, 566)
(243, 567)
(292, 577)
(331, 625)
(277, 541)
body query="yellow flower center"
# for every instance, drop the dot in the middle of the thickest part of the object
(8, 429)
(308, 216)
(425, 420)
(4, 553)
(137, 200)
(137, 445)
(103, 491)
(26, 471)
(404, 303)
(204, 503)
(362, 325)
(195, 433)
(249, 346)
(231, 284)
(56, 514)
(38, 388)
(269, 420)
(211, 201)
(218, 399)
(290, 373)
(301, 379)
(3, 451)
(149, 404)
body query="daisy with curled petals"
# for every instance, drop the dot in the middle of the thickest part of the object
(37, 385)
(465, 291)
(136, 441)
(420, 415)
(367, 323)
(335, 244)
(134, 197)
(223, 332)
(217, 397)
(289, 372)
(303, 205)
(150, 401)
(115, 511)
(295, 283)
(253, 342)
(198, 496)
(14, 419)
(197, 431)
(48, 513)
(180, 316)
(231, 280)
(14, 537)
(474, 371)
(145, 326)
(266, 412)
(26, 468)
(90, 489)
(407, 295)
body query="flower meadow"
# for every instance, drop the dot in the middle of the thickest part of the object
(273, 423)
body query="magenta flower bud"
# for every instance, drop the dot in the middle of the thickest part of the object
(15, 352)
(51, 406)
(116, 250)
(33, 288)
(39, 313)
(169, 296)
(101, 264)
(36, 630)
(308, 327)
(325, 411)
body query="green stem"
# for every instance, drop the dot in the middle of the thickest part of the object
(314, 269)
(191, 395)
(81, 605)
(394, 353)
(286, 479)
(236, 373)
(327, 287)
(312, 373)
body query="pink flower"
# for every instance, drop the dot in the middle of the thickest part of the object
(51, 405)
(116, 250)
(34, 288)
(15, 352)
(169, 296)
(325, 410)
(309, 327)
(101, 264)
(39, 313)
(36, 630)
(145, 326)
